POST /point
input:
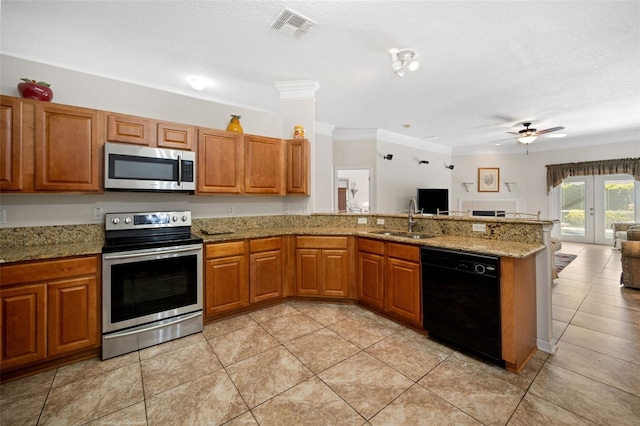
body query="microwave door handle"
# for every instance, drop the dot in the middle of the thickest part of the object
(179, 170)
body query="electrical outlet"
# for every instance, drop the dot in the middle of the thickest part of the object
(98, 213)
(380, 221)
(285, 209)
(362, 221)
(479, 227)
(231, 210)
(3, 215)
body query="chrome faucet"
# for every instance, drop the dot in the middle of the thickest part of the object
(412, 210)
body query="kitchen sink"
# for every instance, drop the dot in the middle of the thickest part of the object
(413, 235)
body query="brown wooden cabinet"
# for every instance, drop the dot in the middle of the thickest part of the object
(49, 147)
(220, 162)
(265, 269)
(322, 266)
(402, 282)
(226, 277)
(48, 308)
(297, 167)
(145, 131)
(264, 170)
(371, 272)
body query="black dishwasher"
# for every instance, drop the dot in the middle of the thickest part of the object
(461, 299)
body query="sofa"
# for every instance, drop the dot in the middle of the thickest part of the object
(630, 258)
(621, 232)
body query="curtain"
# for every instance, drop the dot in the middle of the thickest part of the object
(556, 173)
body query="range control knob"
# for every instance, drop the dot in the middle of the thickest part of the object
(115, 220)
(127, 220)
(174, 218)
(184, 218)
(480, 269)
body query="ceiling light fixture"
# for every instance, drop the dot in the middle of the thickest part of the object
(198, 83)
(388, 157)
(403, 60)
(527, 139)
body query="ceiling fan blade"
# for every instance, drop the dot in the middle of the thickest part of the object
(553, 129)
(513, 133)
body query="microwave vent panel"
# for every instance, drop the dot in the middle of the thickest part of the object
(292, 24)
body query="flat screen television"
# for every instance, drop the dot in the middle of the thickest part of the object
(430, 200)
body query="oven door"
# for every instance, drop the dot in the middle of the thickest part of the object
(143, 286)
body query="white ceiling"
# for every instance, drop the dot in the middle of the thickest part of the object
(486, 66)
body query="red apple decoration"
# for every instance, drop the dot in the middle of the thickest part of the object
(38, 90)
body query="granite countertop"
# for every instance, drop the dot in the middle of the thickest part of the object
(474, 245)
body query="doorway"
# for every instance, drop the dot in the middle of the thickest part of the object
(353, 190)
(588, 205)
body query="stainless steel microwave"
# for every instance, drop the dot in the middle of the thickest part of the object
(141, 168)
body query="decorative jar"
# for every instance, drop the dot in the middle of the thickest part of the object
(234, 124)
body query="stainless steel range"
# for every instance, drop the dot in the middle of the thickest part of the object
(151, 280)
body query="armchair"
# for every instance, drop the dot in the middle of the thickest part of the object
(621, 232)
(630, 258)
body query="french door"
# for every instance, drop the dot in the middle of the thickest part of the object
(588, 205)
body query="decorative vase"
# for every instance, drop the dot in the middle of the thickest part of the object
(32, 89)
(234, 124)
(298, 132)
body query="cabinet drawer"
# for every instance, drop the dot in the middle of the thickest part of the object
(322, 242)
(224, 249)
(265, 244)
(404, 251)
(48, 270)
(371, 246)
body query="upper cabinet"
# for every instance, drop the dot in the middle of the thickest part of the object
(145, 131)
(49, 147)
(220, 162)
(297, 166)
(264, 170)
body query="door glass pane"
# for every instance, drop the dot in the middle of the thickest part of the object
(618, 203)
(572, 220)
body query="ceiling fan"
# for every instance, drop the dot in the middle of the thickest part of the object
(528, 135)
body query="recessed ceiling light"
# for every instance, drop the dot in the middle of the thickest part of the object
(198, 83)
(406, 126)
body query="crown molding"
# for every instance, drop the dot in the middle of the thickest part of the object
(324, 128)
(301, 89)
(390, 137)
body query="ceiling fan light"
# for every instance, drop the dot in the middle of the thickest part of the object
(527, 139)
(414, 65)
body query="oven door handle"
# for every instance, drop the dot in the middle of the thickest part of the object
(158, 251)
(138, 331)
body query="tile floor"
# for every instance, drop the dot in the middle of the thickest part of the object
(326, 364)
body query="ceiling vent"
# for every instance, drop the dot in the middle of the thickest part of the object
(292, 24)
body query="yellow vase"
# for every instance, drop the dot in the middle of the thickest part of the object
(234, 124)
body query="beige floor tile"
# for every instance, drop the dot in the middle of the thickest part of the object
(242, 343)
(408, 353)
(272, 312)
(135, 415)
(609, 326)
(534, 411)
(325, 313)
(568, 290)
(604, 343)
(561, 313)
(595, 365)
(609, 311)
(170, 369)
(558, 328)
(361, 331)
(27, 386)
(90, 367)
(585, 397)
(365, 383)
(290, 326)
(417, 406)
(92, 398)
(171, 345)
(245, 419)
(25, 411)
(465, 384)
(623, 302)
(225, 326)
(566, 301)
(308, 403)
(208, 400)
(267, 374)
(321, 349)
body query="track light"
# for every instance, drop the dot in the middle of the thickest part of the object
(450, 166)
(388, 157)
(403, 60)
(423, 162)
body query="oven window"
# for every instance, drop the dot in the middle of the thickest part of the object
(143, 288)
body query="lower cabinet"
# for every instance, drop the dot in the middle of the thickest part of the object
(226, 277)
(265, 269)
(322, 266)
(389, 279)
(47, 309)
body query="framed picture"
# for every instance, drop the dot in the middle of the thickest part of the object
(488, 179)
